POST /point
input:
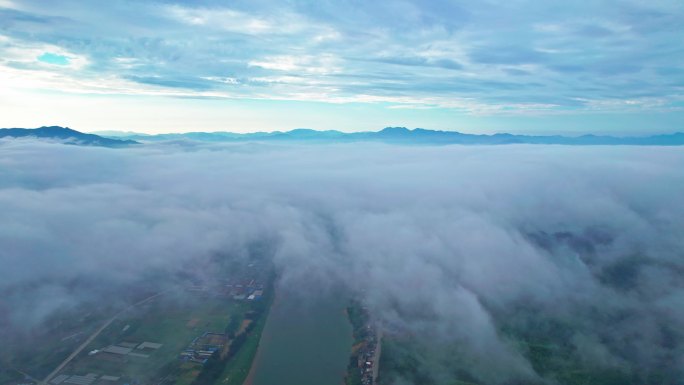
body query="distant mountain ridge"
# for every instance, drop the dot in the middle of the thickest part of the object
(395, 135)
(403, 135)
(66, 136)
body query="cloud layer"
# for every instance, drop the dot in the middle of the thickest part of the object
(447, 242)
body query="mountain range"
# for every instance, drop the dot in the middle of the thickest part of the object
(65, 135)
(396, 135)
(403, 135)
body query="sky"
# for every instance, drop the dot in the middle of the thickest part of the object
(519, 66)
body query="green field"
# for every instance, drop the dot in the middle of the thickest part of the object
(169, 322)
(10, 375)
(39, 353)
(238, 367)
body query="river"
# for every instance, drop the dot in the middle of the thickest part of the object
(306, 341)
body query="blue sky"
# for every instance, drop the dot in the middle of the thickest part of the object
(543, 67)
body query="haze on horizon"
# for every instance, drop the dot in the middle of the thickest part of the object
(605, 67)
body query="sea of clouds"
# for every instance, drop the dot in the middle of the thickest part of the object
(442, 241)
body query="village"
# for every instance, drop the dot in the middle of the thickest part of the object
(363, 368)
(167, 338)
(367, 362)
(210, 343)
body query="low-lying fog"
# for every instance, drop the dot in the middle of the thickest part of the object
(443, 241)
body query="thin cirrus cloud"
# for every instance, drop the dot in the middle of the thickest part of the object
(617, 56)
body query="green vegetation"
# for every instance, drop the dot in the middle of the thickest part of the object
(164, 321)
(359, 320)
(206, 302)
(39, 353)
(175, 324)
(232, 367)
(10, 375)
(399, 359)
(558, 363)
(404, 358)
(546, 344)
(237, 369)
(353, 376)
(186, 373)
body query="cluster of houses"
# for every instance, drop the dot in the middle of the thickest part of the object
(367, 356)
(249, 290)
(203, 347)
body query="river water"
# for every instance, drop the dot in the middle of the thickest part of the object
(306, 341)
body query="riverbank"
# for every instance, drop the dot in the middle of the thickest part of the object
(365, 355)
(243, 347)
(257, 352)
(238, 368)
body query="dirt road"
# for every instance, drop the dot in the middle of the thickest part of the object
(90, 339)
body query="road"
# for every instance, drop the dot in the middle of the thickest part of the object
(28, 376)
(90, 338)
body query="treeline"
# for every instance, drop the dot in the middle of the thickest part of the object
(215, 365)
(232, 327)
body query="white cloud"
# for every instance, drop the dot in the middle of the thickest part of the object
(482, 60)
(435, 236)
(222, 18)
(225, 80)
(308, 64)
(7, 4)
